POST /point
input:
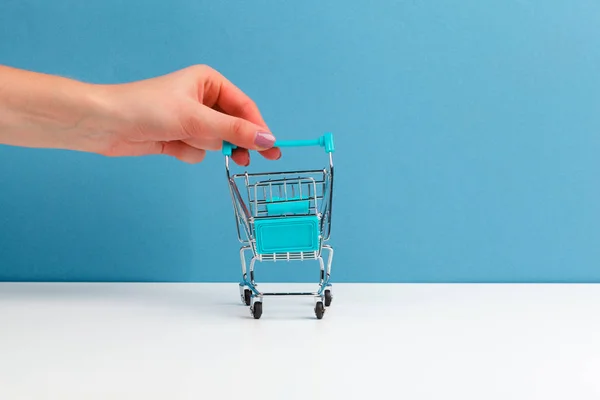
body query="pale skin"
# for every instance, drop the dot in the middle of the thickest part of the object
(183, 114)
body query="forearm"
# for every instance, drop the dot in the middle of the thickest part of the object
(39, 110)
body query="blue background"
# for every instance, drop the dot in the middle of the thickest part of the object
(467, 134)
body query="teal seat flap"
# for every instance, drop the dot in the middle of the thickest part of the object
(287, 235)
(291, 206)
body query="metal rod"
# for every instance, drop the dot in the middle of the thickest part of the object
(290, 294)
(253, 174)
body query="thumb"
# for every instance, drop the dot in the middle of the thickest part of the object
(237, 131)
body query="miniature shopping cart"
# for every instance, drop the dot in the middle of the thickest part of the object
(284, 216)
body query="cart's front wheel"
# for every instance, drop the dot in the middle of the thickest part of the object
(328, 298)
(247, 296)
(257, 310)
(319, 310)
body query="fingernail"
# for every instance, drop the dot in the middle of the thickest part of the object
(264, 140)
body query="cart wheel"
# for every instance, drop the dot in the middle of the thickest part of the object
(328, 298)
(257, 310)
(247, 296)
(319, 310)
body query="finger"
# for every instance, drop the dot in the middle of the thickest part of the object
(220, 93)
(241, 157)
(273, 153)
(183, 152)
(238, 131)
(270, 154)
(224, 96)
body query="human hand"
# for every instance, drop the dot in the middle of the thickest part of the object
(182, 114)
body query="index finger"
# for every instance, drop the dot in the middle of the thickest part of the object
(222, 94)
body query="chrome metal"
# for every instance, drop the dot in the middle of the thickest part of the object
(290, 294)
(262, 189)
(252, 261)
(242, 287)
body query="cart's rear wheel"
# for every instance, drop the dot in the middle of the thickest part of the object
(328, 298)
(257, 310)
(247, 296)
(319, 310)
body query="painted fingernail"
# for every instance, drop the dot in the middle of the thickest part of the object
(264, 140)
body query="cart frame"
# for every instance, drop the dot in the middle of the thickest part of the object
(284, 216)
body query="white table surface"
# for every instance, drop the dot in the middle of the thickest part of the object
(197, 341)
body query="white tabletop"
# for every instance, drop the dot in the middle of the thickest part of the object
(197, 341)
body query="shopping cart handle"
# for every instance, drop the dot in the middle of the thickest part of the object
(325, 141)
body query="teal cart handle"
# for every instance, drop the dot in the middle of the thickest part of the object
(325, 141)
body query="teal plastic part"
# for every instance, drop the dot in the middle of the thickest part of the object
(283, 235)
(325, 141)
(292, 206)
(228, 148)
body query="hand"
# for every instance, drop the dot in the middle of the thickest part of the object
(182, 114)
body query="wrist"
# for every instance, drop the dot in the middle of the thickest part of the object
(98, 119)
